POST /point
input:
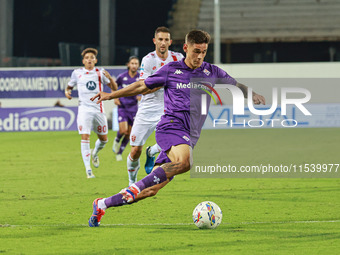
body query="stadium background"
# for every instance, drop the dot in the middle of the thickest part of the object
(251, 32)
(272, 35)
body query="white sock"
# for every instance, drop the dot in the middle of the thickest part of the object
(86, 153)
(154, 150)
(101, 204)
(99, 146)
(132, 168)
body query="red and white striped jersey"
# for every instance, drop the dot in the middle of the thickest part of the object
(88, 83)
(151, 106)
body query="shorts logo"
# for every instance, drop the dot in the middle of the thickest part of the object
(133, 138)
(186, 138)
(91, 85)
(80, 128)
(156, 179)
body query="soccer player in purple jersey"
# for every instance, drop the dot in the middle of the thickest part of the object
(127, 107)
(173, 130)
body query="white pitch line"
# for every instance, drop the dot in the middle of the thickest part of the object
(175, 224)
(290, 222)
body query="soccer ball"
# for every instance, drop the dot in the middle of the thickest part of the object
(207, 215)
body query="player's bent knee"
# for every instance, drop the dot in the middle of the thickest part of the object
(136, 152)
(125, 132)
(185, 165)
(103, 138)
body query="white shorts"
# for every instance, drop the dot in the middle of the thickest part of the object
(140, 132)
(88, 121)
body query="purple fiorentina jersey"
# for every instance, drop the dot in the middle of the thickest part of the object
(182, 105)
(127, 103)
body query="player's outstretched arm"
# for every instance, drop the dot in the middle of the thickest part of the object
(151, 91)
(133, 89)
(257, 99)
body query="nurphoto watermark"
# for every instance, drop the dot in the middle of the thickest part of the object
(222, 113)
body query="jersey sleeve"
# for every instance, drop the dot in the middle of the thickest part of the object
(158, 79)
(73, 80)
(225, 77)
(146, 67)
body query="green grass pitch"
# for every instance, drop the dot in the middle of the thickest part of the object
(45, 200)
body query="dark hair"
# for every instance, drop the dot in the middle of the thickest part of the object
(197, 36)
(162, 29)
(131, 58)
(91, 50)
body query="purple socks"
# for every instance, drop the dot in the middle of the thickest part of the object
(123, 145)
(116, 200)
(118, 136)
(155, 177)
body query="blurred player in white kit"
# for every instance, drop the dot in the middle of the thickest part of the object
(151, 107)
(91, 116)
